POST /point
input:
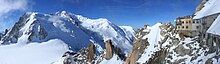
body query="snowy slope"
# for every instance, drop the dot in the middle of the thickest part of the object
(105, 30)
(192, 53)
(153, 38)
(33, 53)
(214, 28)
(75, 30)
(129, 31)
(211, 7)
(38, 27)
(166, 47)
(35, 31)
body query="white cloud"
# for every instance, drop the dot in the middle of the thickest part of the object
(12, 5)
(9, 6)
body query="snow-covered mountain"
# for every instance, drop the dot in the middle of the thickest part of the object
(129, 31)
(36, 27)
(1, 35)
(161, 44)
(75, 31)
(105, 30)
(66, 38)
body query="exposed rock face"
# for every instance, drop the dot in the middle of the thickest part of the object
(209, 61)
(88, 55)
(201, 5)
(15, 30)
(117, 50)
(138, 46)
(83, 56)
(80, 57)
(91, 52)
(1, 35)
(6, 31)
(40, 35)
(182, 51)
(109, 49)
(100, 58)
(159, 57)
(181, 36)
(172, 48)
(68, 59)
(169, 49)
(127, 61)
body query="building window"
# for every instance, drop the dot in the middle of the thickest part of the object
(186, 22)
(178, 26)
(186, 27)
(189, 21)
(183, 22)
(197, 22)
(197, 27)
(194, 21)
(182, 26)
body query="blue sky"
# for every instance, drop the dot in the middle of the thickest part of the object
(133, 13)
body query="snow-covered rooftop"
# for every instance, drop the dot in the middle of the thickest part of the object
(214, 28)
(211, 7)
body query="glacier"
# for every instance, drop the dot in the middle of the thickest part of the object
(46, 37)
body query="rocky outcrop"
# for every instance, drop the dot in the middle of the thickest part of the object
(159, 57)
(167, 27)
(109, 49)
(13, 34)
(182, 51)
(167, 31)
(88, 55)
(91, 52)
(68, 59)
(1, 35)
(170, 49)
(209, 61)
(138, 48)
(201, 5)
(42, 34)
(128, 59)
(83, 56)
(80, 57)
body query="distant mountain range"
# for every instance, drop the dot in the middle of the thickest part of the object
(67, 38)
(74, 30)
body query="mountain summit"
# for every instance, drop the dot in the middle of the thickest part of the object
(74, 30)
